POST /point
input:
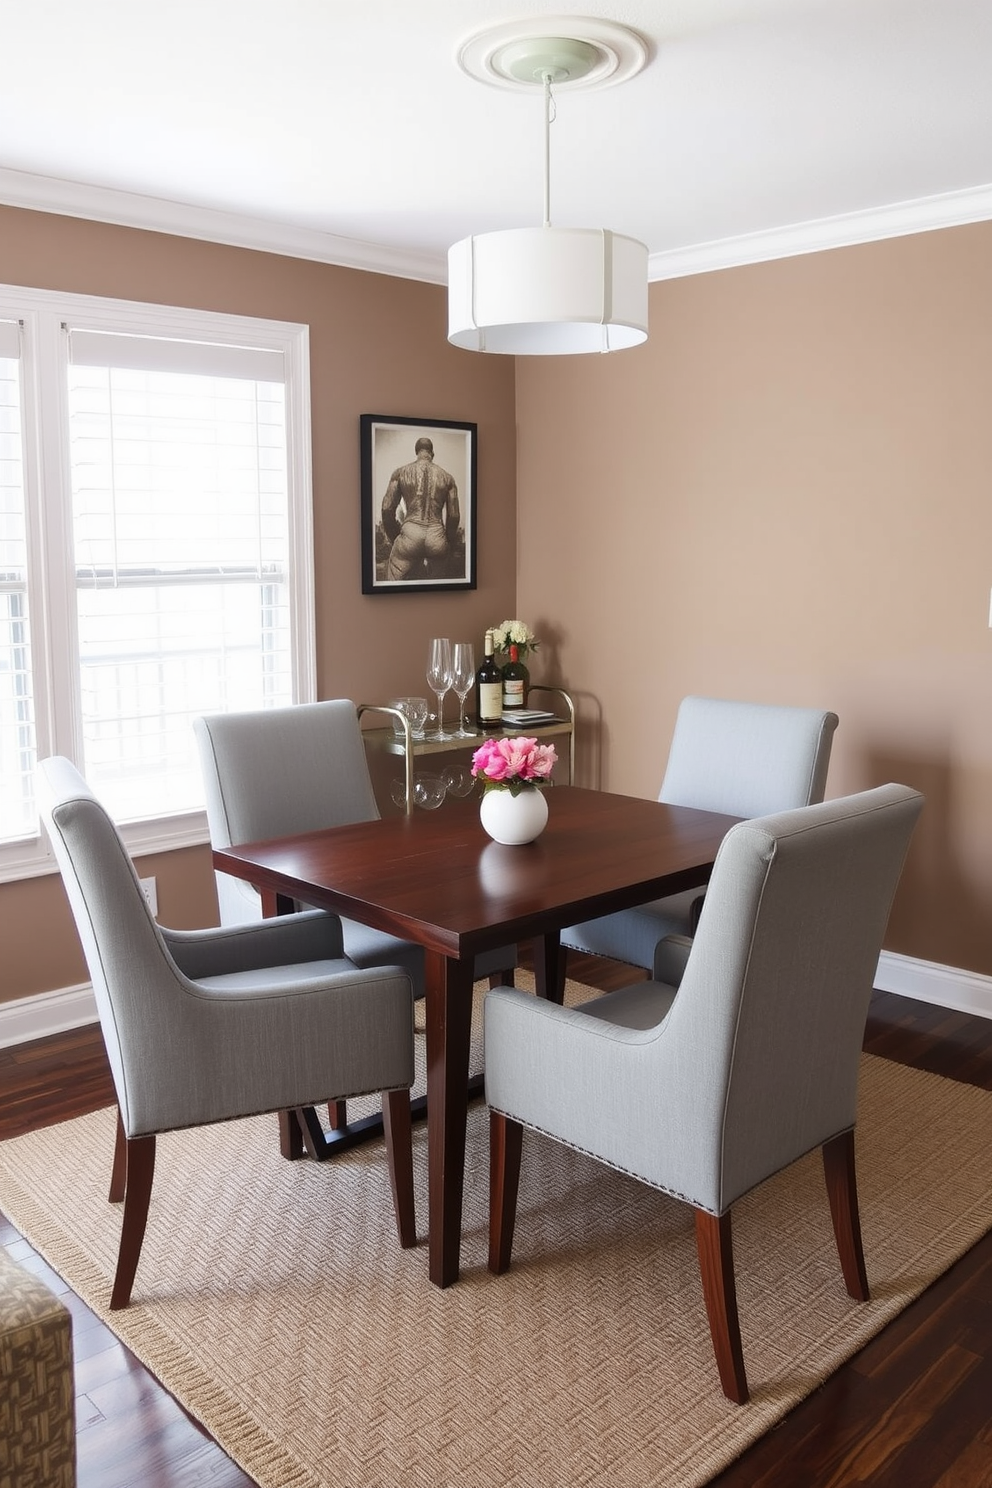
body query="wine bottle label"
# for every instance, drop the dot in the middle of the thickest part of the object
(513, 692)
(490, 702)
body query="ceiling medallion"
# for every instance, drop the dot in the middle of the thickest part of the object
(598, 54)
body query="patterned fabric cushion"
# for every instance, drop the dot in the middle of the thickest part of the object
(37, 1397)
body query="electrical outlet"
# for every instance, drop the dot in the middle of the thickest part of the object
(150, 891)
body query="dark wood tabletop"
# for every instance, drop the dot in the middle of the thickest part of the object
(436, 879)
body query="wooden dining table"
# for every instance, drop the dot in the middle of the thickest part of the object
(436, 879)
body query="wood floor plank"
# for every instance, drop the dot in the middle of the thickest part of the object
(947, 1444)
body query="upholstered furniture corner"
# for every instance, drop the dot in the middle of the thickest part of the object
(37, 1394)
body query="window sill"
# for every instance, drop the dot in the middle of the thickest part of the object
(32, 858)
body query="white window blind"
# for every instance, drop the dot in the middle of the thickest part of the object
(155, 526)
(181, 554)
(17, 734)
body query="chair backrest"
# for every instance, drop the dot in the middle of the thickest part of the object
(770, 1014)
(747, 759)
(275, 771)
(129, 963)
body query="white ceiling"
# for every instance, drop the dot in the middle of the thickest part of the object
(344, 130)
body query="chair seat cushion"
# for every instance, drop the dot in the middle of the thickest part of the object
(642, 1005)
(272, 977)
(632, 935)
(368, 947)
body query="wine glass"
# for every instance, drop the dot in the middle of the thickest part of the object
(462, 682)
(428, 791)
(439, 681)
(458, 780)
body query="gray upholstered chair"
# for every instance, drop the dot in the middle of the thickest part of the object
(743, 759)
(706, 1088)
(275, 771)
(208, 1025)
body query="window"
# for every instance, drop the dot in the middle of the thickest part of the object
(155, 549)
(16, 717)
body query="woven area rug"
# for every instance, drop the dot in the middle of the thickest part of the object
(273, 1300)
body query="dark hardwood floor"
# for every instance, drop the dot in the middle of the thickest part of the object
(912, 1410)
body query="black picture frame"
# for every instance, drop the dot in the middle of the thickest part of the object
(431, 557)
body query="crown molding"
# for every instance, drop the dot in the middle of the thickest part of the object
(898, 219)
(155, 214)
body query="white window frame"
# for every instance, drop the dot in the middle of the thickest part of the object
(48, 499)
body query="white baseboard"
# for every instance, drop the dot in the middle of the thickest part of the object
(926, 981)
(49, 1012)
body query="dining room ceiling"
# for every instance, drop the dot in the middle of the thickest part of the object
(345, 130)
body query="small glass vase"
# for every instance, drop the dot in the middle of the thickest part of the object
(514, 819)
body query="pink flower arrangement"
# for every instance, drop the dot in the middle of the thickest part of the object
(513, 764)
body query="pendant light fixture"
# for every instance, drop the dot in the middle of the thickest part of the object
(549, 291)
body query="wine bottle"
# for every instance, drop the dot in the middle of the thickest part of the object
(515, 679)
(488, 689)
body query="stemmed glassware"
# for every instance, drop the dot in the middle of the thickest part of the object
(439, 669)
(462, 682)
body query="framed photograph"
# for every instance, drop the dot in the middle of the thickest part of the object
(418, 504)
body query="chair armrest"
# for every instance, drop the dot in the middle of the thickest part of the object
(312, 935)
(670, 959)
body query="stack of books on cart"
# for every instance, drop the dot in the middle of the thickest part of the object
(528, 718)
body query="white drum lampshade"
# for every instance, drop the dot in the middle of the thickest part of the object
(547, 291)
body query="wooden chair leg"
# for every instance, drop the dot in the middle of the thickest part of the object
(137, 1196)
(505, 1146)
(337, 1114)
(842, 1191)
(118, 1174)
(397, 1125)
(714, 1245)
(501, 978)
(290, 1136)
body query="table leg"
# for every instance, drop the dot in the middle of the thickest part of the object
(449, 1025)
(549, 967)
(290, 1136)
(275, 904)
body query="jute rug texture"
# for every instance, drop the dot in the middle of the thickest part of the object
(273, 1300)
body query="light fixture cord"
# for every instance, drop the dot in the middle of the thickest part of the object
(549, 117)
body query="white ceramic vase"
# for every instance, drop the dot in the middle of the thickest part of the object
(514, 819)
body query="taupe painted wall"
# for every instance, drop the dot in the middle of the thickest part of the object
(785, 496)
(377, 345)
